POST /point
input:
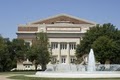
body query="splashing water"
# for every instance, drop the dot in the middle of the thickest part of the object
(91, 62)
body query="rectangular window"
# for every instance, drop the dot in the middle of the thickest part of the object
(54, 45)
(63, 59)
(72, 59)
(63, 45)
(72, 45)
(54, 59)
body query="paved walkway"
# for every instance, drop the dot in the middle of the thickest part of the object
(4, 77)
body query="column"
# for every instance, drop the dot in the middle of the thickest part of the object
(59, 53)
(68, 54)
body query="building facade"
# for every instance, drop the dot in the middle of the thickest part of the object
(64, 33)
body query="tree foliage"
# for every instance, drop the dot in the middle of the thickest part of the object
(104, 49)
(104, 39)
(10, 52)
(4, 56)
(19, 48)
(39, 51)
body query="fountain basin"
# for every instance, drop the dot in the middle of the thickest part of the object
(96, 74)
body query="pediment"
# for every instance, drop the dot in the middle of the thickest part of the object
(63, 18)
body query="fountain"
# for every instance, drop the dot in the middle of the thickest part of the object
(91, 62)
(81, 71)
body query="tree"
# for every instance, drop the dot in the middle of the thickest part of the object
(5, 60)
(115, 58)
(10, 52)
(107, 30)
(104, 49)
(20, 49)
(39, 51)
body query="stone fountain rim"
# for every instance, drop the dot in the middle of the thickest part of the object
(96, 74)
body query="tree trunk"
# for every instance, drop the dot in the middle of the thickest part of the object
(102, 62)
(43, 67)
(36, 65)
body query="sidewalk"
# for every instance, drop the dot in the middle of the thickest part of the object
(4, 77)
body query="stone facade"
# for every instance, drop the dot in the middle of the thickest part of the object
(64, 33)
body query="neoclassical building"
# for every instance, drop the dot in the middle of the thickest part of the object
(64, 32)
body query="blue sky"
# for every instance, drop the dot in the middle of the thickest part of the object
(14, 12)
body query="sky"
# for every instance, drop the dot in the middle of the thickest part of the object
(15, 12)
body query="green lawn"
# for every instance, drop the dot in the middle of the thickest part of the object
(24, 73)
(20, 76)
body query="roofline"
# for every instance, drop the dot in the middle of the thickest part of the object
(63, 15)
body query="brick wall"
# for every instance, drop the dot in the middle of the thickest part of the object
(27, 28)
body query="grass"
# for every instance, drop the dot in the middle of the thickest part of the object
(22, 72)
